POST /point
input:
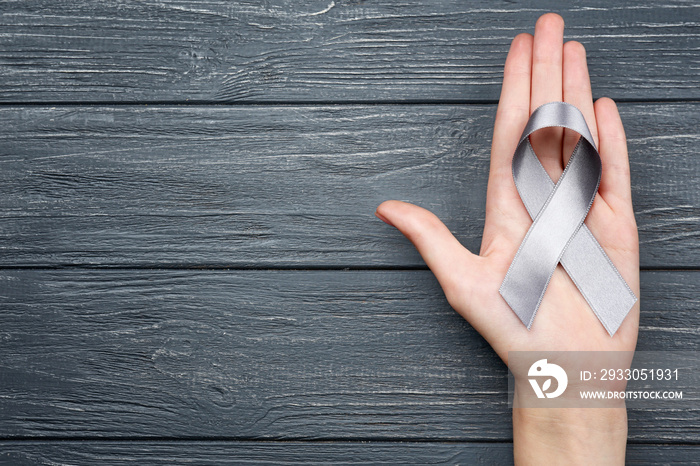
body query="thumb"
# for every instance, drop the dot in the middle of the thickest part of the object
(452, 264)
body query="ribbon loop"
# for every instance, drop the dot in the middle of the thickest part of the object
(557, 233)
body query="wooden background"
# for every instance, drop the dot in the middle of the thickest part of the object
(190, 268)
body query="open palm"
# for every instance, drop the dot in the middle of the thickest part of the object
(538, 70)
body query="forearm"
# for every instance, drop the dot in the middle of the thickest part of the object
(569, 435)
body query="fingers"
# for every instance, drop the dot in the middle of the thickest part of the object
(547, 87)
(577, 92)
(615, 186)
(547, 60)
(452, 264)
(514, 104)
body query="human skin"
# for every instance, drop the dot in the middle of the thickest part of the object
(538, 70)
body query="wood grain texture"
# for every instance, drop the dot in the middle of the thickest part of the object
(117, 364)
(306, 453)
(276, 355)
(286, 453)
(327, 50)
(289, 186)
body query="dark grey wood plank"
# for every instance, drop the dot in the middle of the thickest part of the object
(276, 355)
(303, 453)
(215, 453)
(289, 186)
(327, 50)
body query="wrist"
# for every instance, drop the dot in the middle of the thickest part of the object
(569, 435)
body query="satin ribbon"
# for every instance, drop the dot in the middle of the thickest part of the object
(557, 233)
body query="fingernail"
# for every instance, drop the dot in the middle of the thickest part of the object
(383, 219)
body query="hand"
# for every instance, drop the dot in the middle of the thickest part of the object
(538, 70)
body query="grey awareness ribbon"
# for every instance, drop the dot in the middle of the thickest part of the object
(557, 233)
